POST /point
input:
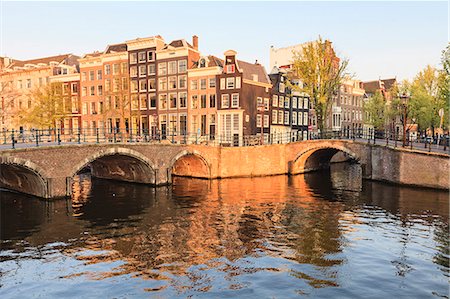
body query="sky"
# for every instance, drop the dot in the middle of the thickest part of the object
(380, 39)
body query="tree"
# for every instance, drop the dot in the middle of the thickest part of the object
(321, 73)
(8, 96)
(376, 109)
(48, 108)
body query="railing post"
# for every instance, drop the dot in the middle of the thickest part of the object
(59, 137)
(98, 137)
(79, 135)
(37, 137)
(173, 136)
(131, 134)
(429, 147)
(114, 135)
(13, 142)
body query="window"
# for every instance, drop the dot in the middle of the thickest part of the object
(282, 87)
(134, 102)
(116, 84)
(266, 104)
(182, 82)
(235, 100)
(143, 101)
(294, 102)
(162, 83)
(28, 83)
(93, 110)
(162, 69)
(133, 57)
(280, 117)
(142, 71)
(294, 118)
(172, 67)
(194, 102)
(163, 101)
(222, 83)
(151, 55)
(230, 68)
(173, 82)
(173, 100)
(182, 66)
(107, 69)
(74, 88)
(99, 74)
(230, 83)
(203, 101)
(84, 108)
(116, 68)
(134, 85)
(194, 85)
(266, 121)
(124, 67)
(100, 90)
(92, 91)
(133, 71)
(142, 57)
(83, 76)
(84, 91)
(143, 85)
(286, 102)
(124, 83)
(286, 117)
(203, 84)
(275, 100)
(91, 76)
(274, 116)
(305, 118)
(212, 82)
(281, 102)
(225, 101)
(258, 120)
(238, 82)
(152, 98)
(151, 69)
(182, 96)
(152, 84)
(305, 103)
(212, 100)
(300, 118)
(74, 105)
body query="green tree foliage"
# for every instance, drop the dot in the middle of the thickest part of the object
(321, 73)
(49, 107)
(375, 107)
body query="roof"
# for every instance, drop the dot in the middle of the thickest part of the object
(249, 69)
(116, 48)
(388, 83)
(372, 86)
(215, 61)
(46, 60)
(93, 54)
(178, 43)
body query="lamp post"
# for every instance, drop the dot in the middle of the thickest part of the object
(404, 102)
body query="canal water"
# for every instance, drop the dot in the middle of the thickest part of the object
(319, 235)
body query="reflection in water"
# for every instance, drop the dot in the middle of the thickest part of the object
(324, 234)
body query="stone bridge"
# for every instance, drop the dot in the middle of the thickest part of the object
(48, 172)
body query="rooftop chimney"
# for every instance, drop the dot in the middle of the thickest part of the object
(195, 42)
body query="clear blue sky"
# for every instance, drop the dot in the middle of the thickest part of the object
(379, 38)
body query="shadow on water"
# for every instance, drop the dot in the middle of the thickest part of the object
(251, 237)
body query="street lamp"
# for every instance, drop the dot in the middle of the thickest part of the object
(404, 102)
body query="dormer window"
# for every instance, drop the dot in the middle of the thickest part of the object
(230, 68)
(202, 62)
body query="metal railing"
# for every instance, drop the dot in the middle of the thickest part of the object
(35, 138)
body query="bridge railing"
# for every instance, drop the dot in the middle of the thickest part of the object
(61, 136)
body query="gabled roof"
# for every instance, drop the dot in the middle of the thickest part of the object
(116, 48)
(249, 69)
(215, 61)
(46, 60)
(372, 86)
(178, 43)
(388, 83)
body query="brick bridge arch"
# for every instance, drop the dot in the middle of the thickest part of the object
(319, 157)
(119, 163)
(190, 163)
(24, 176)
